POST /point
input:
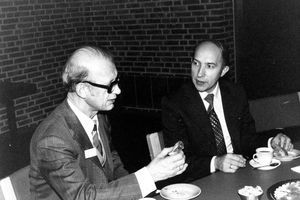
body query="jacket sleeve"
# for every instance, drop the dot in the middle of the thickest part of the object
(175, 129)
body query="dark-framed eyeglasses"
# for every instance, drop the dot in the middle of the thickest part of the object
(109, 87)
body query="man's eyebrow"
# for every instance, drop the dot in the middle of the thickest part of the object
(212, 63)
(197, 60)
(208, 63)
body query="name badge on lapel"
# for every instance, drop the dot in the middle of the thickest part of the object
(90, 153)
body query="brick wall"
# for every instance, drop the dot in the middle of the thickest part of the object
(148, 37)
(158, 37)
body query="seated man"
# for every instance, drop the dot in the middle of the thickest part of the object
(211, 116)
(71, 152)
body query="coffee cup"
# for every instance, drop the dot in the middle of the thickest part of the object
(263, 155)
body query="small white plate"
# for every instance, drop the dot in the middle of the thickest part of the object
(296, 169)
(180, 191)
(256, 164)
(293, 154)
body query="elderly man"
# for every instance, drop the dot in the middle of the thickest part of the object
(211, 116)
(71, 154)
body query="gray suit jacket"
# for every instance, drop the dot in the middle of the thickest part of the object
(59, 169)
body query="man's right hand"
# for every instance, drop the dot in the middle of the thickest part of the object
(165, 166)
(230, 162)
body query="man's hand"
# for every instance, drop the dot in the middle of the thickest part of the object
(165, 166)
(230, 162)
(281, 144)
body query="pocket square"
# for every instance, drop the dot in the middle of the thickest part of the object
(90, 153)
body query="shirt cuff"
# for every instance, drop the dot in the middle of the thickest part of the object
(212, 165)
(145, 181)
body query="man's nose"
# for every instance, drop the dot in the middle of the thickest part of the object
(117, 89)
(201, 71)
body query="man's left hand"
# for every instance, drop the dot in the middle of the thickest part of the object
(282, 142)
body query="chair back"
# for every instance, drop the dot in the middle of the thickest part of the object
(276, 111)
(155, 143)
(16, 186)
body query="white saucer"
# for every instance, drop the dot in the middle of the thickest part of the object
(293, 154)
(180, 191)
(256, 164)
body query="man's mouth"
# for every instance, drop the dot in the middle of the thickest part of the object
(200, 82)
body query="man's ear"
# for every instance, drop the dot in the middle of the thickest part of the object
(81, 90)
(224, 70)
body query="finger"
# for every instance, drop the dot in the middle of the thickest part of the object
(291, 147)
(231, 168)
(177, 157)
(282, 142)
(287, 143)
(238, 159)
(179, 162)
(174, 167)
(235, 156)
(176, 163)
(182, 169)
(277, 141)
(238, 164)
(164, 152)
(242, 157)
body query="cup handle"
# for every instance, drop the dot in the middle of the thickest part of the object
(255, 158)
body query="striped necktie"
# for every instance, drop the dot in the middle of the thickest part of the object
(98, 144)
(216, 126)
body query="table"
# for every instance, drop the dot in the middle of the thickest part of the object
(224, 186)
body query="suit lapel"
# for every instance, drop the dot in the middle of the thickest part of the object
(79, 135)
(229, 107)
(103, 130)
(196, 107)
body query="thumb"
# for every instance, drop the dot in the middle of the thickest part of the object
(164, 152)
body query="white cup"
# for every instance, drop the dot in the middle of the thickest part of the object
(263, 155)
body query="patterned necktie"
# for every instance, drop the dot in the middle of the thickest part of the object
(96, 140)
(97, 143)
(216, 126)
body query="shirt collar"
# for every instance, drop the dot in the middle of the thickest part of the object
(215, 92)
(86, 122)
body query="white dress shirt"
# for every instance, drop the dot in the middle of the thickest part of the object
(218, 107)
(143, 176)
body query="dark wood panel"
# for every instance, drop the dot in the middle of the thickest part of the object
(267, 46)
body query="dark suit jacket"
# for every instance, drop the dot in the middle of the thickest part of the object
(59, 169)
(184, 117)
